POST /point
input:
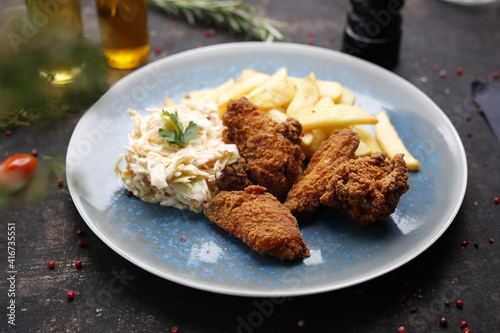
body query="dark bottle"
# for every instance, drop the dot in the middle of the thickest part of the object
(373, 31)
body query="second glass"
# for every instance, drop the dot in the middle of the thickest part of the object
(124, 32)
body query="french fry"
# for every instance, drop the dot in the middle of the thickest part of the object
(347, 97)
(389, 140)
(311, 141)
(208, 95)
(330, 88)
(277, 115)
(325, 101)
(329, 118)
(362, 150)
(307, 95)
(367, 137)
(239, 89)
(246, 73)
(276, 92)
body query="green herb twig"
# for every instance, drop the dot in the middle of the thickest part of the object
(237, 16)
(178, 136)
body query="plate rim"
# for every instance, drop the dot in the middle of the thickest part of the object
(300, 292)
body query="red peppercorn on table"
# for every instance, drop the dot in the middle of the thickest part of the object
(58, 275)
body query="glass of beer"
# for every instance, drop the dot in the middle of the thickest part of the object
(56, 31)
(124, 32)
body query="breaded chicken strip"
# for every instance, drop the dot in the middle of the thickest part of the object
(367, 189)
(303, 198)
(260, 221)
(234, 176)
(271, 150)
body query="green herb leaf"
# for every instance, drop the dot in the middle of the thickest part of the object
(177, 135)
(237, 16)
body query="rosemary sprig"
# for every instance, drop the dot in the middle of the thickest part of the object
(237, 16)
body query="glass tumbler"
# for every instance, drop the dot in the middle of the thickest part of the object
(124, 32)
(56, 28)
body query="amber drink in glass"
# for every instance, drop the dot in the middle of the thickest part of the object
(124, 32)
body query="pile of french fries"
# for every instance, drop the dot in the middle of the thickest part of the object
(320, 106)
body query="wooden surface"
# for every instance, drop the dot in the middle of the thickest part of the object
(113, 295)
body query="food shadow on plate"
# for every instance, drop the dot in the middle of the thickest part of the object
(161, 231)
(328, 226)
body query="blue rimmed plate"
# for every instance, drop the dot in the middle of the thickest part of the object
(186, 248)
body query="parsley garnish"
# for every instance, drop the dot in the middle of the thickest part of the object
(178, 136)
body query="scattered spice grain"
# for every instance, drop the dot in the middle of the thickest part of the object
(208, 32)
(401, 329)
(51, 263)
(78, 264)
(463, 324)
(70, 295)
(34, 152)
(443, 321)
(459, 304)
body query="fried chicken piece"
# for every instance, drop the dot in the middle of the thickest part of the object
(234, 176)
(367, 189)
(303, 198)
(271, 149)
(260, 221)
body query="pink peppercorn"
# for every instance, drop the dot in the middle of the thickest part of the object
(459, 303)
(51, 263)
(78, 263)
(70, 295)
(208, 32)
(463, 324)
(401, 329)
(496, 200)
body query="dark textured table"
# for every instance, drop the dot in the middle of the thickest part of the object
(113, 295)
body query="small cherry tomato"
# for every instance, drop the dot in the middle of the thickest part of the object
(16, 170)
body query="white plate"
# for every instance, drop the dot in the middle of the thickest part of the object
(186, 248)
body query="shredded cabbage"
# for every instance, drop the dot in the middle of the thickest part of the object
(159, 172)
